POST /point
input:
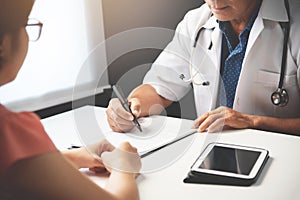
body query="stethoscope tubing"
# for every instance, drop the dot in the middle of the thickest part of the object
(280, 96)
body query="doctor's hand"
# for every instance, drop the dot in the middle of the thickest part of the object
(89, 156)
(215, 120)
(118, 118)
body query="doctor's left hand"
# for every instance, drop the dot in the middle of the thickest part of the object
(215, 120)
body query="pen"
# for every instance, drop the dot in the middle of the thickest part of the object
(74, 147)
(117, 90)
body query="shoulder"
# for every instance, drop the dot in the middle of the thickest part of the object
(199, 13)
(196, 18)
(9, 119)
(22, 136)
(21, 125)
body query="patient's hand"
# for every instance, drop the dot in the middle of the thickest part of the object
(89, 157)
(125, 159)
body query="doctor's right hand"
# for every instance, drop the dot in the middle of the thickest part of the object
(118, 118)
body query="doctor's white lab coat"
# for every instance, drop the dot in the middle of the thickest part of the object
(261, 67)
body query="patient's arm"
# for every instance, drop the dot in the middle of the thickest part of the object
(51, 176)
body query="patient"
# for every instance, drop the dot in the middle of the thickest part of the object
(30, 165)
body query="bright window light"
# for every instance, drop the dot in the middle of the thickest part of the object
(53, 63)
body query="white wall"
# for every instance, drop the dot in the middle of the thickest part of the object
(60, 62)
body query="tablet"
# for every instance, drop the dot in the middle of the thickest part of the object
(229, 160)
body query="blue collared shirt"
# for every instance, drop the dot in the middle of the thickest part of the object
(236, 49)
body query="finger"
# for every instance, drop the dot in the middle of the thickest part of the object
(124, 127)
(98, 169)
(99, 147)
(113, 125)
(119, 128)
(121, 160)
(107, 146)
(209, 120)
(216, 126)
(126, 146)
(219, 110)
(119, 120)
(119, 110)
(135, 106)
(116, 128)
(111, 122)
(200, 120)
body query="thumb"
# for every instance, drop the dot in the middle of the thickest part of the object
(135, 106)
(122, 160)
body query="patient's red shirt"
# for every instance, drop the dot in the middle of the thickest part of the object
(21, 136)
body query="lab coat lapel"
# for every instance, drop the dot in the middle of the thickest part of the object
(216, 58)
(215, 55)
(256, 30)
(266, 13)
(241, 102)
(207, 95)
(216, 39)
(270, 10)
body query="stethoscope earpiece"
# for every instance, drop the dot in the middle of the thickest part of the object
(280, 97)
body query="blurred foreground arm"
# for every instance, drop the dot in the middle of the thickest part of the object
(51, 176)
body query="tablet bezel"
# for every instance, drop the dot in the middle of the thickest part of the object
(254, 171)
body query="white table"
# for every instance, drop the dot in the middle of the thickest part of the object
(280, 178)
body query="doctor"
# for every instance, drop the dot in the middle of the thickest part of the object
(241, 87)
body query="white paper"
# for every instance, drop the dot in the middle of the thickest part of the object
(156, 132)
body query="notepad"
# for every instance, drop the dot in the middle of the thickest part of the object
(156, 133)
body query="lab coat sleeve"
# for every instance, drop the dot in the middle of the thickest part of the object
(165, 72)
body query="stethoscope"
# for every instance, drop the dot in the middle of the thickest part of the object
(280, 96)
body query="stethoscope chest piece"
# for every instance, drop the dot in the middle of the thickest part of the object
(280, 97)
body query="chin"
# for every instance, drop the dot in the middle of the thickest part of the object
(222, 18)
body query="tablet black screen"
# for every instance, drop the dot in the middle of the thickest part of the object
(232, 160)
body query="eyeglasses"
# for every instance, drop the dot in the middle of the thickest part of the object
(34, 29)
